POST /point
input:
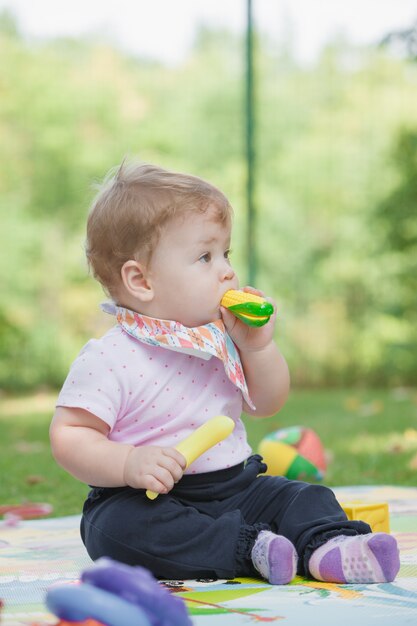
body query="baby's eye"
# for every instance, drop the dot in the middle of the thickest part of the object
(205, 258)
(227, 254)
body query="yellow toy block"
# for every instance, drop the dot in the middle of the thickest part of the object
(376, 514)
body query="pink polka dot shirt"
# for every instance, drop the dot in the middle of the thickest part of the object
(149, 395)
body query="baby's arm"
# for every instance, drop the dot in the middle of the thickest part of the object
(79, 443)
(265, 368)
(268, 379)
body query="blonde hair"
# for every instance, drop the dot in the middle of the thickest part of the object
(133, 205)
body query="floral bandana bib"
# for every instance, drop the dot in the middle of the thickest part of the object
(202, 341)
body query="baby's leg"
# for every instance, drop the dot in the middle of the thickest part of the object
(168, 536)
(306, 514)
(330, 547)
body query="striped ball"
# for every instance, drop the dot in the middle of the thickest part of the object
(296, 453)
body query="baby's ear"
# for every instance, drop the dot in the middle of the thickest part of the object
(135, 281)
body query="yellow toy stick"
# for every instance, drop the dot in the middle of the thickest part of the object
(204, 437)
(251, 309)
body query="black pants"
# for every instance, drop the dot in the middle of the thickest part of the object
(206, 526)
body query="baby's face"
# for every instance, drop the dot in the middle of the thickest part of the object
(190, 270)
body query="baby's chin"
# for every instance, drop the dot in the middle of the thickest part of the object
(202, 321)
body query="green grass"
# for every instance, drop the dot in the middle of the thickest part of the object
(28, 471)
(370, 438)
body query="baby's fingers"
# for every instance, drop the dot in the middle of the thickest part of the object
(229, 319)
(256, 292)
(173, 463)
(151, 483)
(176, 456)
(165, 477)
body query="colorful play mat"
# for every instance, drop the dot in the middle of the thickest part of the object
(37, 554)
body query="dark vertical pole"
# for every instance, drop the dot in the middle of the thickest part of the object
(250, 150)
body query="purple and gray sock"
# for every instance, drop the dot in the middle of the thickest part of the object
(362, 559)
(274, 557)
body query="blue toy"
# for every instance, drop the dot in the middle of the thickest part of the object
(118, 595)
(75, 603)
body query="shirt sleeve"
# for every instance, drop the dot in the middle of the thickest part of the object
(93, 384)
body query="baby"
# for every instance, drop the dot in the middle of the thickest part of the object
(159, 243)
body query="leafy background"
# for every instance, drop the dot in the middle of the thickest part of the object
(336, 191)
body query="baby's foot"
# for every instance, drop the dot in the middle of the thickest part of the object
(371, 558)
(274, 557)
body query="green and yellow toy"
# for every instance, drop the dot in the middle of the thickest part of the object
(251, 309)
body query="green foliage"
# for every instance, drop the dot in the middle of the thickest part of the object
(396, 216)
(335, 191)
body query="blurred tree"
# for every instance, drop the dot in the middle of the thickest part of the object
(332, 252)
(404, 40)
(8, 24)
(396, 216)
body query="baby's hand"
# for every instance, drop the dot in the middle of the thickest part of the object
(249, 338)
(153, 468)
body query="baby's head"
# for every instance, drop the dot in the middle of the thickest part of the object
(141, 210)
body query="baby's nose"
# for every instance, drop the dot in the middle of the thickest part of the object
(228, 272)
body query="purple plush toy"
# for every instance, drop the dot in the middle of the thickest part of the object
(118, 595)
(138, 586)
